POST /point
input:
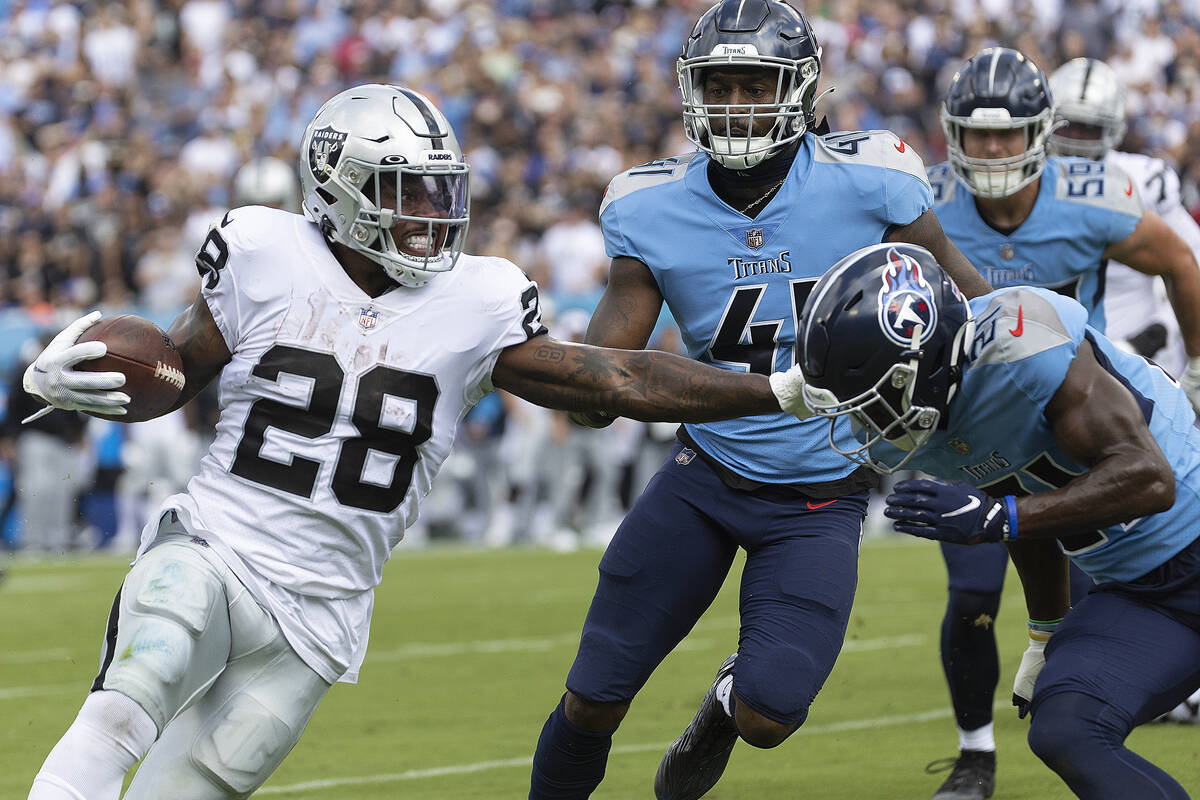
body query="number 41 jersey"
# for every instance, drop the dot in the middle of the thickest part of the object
(336, 412)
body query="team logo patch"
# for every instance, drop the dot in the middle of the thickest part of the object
(1007, 252)
(905, 301)
(685, 456)
(754, 238)
(367, 317)
(959, 445)
(324, 150)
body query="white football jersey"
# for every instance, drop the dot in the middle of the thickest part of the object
(1134, 300)
(336, 412)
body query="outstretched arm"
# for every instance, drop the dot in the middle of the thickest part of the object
(927, 232)
(642, 384)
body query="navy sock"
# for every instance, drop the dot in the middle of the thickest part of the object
(969, 655)
(569, 762)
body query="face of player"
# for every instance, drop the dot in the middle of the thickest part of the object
(985, 143)
(426, 197)
(1081, 131)
(739, 88)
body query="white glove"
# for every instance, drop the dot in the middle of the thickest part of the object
(1189, 381)
(788, 388)
(51, 379)
(1032, 661)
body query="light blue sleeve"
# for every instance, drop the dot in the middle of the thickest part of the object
(615, 242)
(906, 197)
(1041, 374)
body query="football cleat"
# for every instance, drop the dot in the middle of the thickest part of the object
(973, 776)
(694, 762)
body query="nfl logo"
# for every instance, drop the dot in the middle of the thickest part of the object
(367, 318)
(685, 457)
(755, 238)
(1006, 251)
(959, 446)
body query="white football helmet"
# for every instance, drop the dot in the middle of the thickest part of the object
(1089, 102)
(382, 173)
(266, 181)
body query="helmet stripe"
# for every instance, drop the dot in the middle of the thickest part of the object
(435, 132)
(1087, 73)
(992, 73)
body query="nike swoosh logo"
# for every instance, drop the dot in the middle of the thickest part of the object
(899, 147)
(814, 506)
(39, 369)
(972, 504)
(1129, 191)
(1017, 331)
(225, 220)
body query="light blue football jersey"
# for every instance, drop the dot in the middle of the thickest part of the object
(1082, 206)
(997, 437)
(736, 285)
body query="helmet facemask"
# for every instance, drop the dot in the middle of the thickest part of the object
(717, 128)
(1090, 109)
(997, 177)
(425, 205)
(886, 412)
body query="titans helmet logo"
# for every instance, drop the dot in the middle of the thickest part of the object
(324, 150)
(905, 301)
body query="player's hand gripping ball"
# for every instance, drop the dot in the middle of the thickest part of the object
(146, 356)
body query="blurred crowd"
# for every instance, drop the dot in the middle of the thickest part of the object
(123, 127)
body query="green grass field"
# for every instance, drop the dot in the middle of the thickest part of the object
(468, 655)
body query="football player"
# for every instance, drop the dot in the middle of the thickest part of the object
(1023, 218)
(1052, 440)
(732, 237)
(1089, 112)
(347, 343)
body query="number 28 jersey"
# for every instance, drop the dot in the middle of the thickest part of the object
(336, 411)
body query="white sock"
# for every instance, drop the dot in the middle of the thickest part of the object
(979, 739)
(110, 734)
(724, 692)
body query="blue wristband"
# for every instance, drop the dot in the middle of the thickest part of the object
(1010, 504)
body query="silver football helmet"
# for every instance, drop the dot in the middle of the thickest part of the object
(266, 181)
(1089, 103)
(382, 173)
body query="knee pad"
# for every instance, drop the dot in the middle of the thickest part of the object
(172, 631)
(240, 746)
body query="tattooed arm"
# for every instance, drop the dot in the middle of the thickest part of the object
(200, 345)
(642, 384)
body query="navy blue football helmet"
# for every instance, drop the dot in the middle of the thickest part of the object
(998, 89)
(765, 34)
(883, 337)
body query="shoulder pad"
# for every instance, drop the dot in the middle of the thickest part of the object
(872, 148)
(1018, 322)
(1095, 183)
(643, 176)
(944, 182)
(1155, 179)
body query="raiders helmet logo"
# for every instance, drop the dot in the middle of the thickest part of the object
(905, 301)
(754, 238)
(324, 150)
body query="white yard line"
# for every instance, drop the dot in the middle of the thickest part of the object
(509, 763)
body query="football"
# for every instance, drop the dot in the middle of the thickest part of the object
(146, 356)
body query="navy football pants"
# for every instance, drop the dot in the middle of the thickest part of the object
(671, 555)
